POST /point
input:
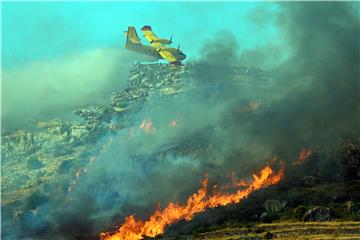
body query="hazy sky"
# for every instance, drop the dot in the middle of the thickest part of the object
(45, 31)
(71, 54)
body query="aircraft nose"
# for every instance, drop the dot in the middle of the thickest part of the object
(183, 56)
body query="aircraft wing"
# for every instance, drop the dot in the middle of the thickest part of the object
(167, 55)
(151, 37)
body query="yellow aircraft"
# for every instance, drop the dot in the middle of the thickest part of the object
(158, 48)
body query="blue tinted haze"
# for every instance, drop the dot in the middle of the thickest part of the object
(43, 30)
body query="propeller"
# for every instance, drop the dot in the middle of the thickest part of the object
(170, 42)
(178, 47)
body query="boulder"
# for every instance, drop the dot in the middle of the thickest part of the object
(263, 216)
(317, 214)
(274, 206)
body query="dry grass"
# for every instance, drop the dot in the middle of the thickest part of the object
(287, 231)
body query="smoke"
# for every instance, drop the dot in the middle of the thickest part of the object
(312, 98)
(51, 89)
(315, 93)
(319, 95)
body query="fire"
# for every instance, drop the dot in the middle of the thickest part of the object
(235, 183)
(134, 229)
(147, 126)
(303, 156)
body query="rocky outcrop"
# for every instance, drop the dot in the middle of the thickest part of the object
(274, 206)
(317, 214)
(148, 79)
(45, 160)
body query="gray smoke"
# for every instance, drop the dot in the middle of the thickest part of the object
(312, 99)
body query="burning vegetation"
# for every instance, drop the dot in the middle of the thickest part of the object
(303, 156)
(147, 126)
(207, 116)
(133, 229)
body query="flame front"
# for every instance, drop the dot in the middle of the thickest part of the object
(133, 229)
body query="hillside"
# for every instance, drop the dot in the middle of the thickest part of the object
(106, 151)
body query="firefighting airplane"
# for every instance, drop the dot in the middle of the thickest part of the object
(158, 46)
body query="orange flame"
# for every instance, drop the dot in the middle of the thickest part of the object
(133, 229)
(303, 156)
(147, 126)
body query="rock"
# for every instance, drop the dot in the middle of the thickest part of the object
(351, 207)
(263, 216)
(45, 158)
(17, 143)
(317, 214)
(274, 206)
(299, 212)
(78, 132)
(94, 115)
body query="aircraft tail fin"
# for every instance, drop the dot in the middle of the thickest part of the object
(132, 37)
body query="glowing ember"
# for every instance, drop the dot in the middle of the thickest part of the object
(147, 126)
(77, 175)
(235, 183)
(304, 155)
(134, 229)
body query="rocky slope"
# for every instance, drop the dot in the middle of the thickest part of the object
(48, 161)
(38, 164)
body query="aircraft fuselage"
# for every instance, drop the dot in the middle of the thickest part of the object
(149, 50)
